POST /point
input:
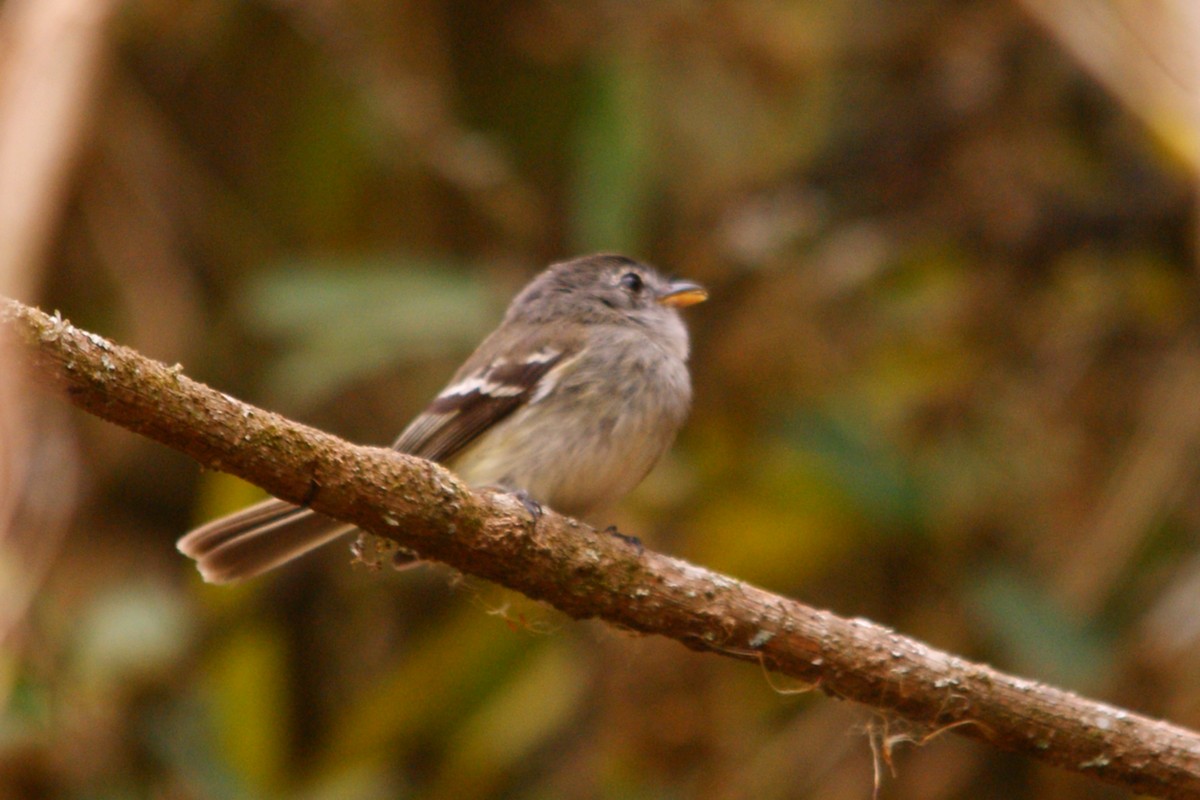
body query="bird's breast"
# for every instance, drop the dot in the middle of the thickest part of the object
(593, 435)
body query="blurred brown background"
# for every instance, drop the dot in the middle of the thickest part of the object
(949, 378)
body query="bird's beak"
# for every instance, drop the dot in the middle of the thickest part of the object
(681, 294)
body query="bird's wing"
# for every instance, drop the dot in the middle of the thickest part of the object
(487, 389)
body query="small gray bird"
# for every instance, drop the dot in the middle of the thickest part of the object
(569, 402)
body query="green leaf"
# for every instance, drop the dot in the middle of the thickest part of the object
(872, 475)
(1036, 635)
(340, 321)
(246, 683)
(611, 157)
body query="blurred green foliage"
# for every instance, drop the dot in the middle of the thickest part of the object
(943, 382)
(372, 317)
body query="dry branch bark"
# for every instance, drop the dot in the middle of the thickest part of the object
(585, 573)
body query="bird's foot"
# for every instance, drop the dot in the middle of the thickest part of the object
(532, 506)
(632, 541)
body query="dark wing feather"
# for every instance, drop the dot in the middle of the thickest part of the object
(483, 392)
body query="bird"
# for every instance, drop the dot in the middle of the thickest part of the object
(568, 403)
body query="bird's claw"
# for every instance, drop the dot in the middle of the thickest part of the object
(532, 506)
(632, 541)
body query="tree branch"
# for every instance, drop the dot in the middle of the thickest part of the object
(585, 573)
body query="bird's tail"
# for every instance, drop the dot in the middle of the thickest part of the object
(257, 539)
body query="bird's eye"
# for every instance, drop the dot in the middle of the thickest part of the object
(632, 281)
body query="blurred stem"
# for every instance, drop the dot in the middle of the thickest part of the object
(585, 573)
(610, 184)
(1151, 470)
(49, 71)
(51, 58)
(1144, 53)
